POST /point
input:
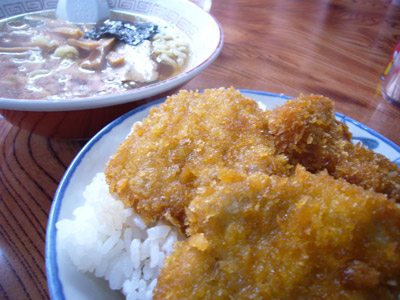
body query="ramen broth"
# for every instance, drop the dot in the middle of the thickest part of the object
(42, 57)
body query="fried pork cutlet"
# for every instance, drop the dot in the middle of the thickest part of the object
(307, 236)
(305, 129)
(181, 146)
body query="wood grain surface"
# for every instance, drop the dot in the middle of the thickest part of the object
(335, 48)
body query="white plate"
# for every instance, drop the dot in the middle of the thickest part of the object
(65, 282)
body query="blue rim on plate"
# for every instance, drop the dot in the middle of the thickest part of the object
(54, 282)
(374, 141)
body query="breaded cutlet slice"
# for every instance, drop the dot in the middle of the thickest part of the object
(307, 236)
(181, 146)
(305, 129)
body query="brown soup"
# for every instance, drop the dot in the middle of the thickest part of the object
(43, 57)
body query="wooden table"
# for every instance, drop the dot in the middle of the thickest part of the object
(335, 48)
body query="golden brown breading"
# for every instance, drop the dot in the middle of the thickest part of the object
(258, 227)
(305, 129)
(181, 146)
(301, 237)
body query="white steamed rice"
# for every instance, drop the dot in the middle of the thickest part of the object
(111, 241)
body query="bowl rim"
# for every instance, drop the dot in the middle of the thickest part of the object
(121, 97)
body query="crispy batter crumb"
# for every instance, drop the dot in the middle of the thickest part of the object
(300, 237)
(276, 205)
(305, 129)
(185, 144)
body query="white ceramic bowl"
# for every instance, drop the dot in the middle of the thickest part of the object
(82, 117)
(64, 280)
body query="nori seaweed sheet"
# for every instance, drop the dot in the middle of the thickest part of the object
(127, 32)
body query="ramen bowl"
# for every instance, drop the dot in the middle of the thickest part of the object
(81, 117)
